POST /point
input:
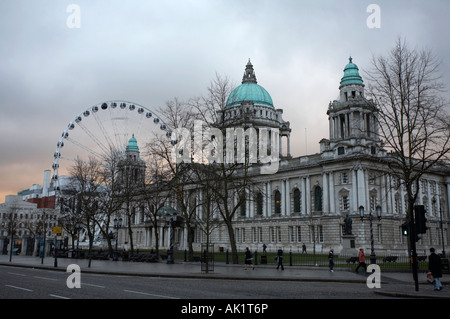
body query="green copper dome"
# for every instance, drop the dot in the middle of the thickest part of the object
(132, 145)
(351, 74)
(249, 91)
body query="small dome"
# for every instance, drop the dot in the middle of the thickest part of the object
(249, 91)
(351, 74)
(132, 145)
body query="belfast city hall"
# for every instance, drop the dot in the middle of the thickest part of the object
(310, 200)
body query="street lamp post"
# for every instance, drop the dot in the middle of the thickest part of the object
(172, 222)
(117, 225)
(373, 259)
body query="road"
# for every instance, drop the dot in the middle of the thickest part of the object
(29, 283)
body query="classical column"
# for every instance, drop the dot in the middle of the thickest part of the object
(383, 194)
(288, 198)
(269, 200)
(326, 208)
(303, 194)
(428, 203)
(361, 189)
(264, 202)
(283, 198)
(251, 202)
(354, 192)
(308, 195)
(289, 145)
(331, 191)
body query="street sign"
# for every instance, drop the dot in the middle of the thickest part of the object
(57, 230)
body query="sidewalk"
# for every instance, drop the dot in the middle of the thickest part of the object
(395, 284)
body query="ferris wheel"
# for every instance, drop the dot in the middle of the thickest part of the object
(102, 128)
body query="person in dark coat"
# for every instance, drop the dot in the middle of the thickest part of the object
(248, 259)
(280, 259)
(434, 265)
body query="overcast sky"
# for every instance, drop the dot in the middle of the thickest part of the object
(152, 51)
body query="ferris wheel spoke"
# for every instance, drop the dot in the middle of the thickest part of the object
(104, 132)
(89, 150)
(93, 137)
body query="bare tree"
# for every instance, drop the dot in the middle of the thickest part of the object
(86, 183)
(413, 121)
(230, 178)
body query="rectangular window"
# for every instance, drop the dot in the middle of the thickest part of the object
(299, 234)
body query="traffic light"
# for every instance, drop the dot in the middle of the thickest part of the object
(405, 229)
(419, 215)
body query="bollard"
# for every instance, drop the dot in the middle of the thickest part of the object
(226, 257)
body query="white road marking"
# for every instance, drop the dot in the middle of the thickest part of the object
(45, 278)
(92, 285)
(18, 288)
(153, 295)
(14, 273)
(56, 296)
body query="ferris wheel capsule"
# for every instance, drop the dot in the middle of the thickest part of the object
(156, 120)
(94, 109)
(140, 110)
(86, 113)
(132, 107)
(104, 106)
(148, 115)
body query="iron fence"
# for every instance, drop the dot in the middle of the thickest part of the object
(385, 261)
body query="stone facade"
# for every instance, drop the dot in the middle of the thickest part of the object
(308, 198)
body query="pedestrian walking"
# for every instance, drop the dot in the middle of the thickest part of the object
(280, 259)
(362, 260)
(248, 259)
(264, 248)
(434, 265)
(331, 259)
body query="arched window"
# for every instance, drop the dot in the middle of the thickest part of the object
(277, 204)
(259, 204)
(318, 199)
(297, 202)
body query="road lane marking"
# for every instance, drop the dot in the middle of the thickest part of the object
(45, 278)
(147, 294)
(92, 285)
(60, 297)
(19, 288)
(14, 273)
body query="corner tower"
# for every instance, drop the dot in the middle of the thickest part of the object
(353, 120)
(132, 167)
